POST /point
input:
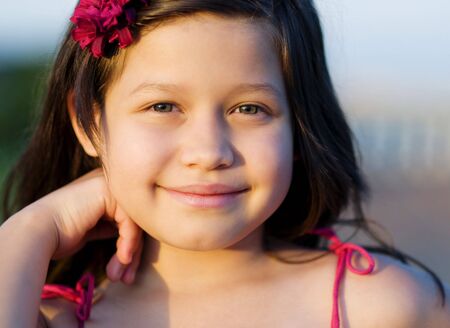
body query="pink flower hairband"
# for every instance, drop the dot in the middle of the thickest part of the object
(98, 22)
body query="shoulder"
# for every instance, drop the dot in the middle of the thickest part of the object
(394, 295)
(57, 313)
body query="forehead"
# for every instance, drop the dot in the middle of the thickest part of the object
(202, 50)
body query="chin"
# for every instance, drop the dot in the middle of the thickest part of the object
(203, 241)
(201, 244)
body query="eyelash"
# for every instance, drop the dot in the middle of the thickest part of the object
(259, 108)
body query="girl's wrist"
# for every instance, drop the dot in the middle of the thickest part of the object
(37, 224)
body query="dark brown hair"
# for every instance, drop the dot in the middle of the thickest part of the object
(326, 176)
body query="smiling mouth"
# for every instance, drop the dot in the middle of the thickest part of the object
(204, 199)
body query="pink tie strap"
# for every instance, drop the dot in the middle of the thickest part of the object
(344, 251)
(80, 296)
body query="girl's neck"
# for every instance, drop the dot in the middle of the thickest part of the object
(180, 270)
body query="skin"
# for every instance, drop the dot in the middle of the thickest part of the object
(145, 152)
(148, 149)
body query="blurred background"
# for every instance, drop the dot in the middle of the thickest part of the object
(390, 62)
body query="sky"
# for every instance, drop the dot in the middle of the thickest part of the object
(404, 42)
(399, 47)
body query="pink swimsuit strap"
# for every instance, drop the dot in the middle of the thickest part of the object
(344, 251)
(80, 295)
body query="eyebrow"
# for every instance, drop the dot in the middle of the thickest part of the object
(240, 88)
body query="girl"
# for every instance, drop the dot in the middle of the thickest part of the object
(193, 150)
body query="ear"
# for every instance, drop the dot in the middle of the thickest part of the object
(79, 131)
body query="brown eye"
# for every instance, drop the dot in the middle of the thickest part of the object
(162, 107)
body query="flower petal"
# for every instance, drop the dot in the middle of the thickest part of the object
(97, 47)
(125, 37)
(84, 33)
(100, 21)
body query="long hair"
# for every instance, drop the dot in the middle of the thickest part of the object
(326, 175)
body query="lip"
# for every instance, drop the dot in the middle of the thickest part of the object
(206, 196)
(207, 189)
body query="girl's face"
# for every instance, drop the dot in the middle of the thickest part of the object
(197, 139)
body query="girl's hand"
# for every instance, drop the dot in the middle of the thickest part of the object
(85, 210)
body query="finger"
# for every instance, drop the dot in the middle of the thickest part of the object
(128, 241)
(130, 272)
(114, 269)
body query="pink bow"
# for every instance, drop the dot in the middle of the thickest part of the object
(78, 295)
(344, 251)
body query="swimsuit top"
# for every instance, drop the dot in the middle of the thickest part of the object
(83, 294)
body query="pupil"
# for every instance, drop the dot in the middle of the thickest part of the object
(163, 107)
(250, 109)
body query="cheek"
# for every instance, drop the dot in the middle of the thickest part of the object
(135, 155)
(277, 179)
(269, 165)
(271, 153)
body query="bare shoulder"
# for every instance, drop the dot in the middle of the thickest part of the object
(394, 295)
(57, 312)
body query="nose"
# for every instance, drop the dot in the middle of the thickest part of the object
(206, 144)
